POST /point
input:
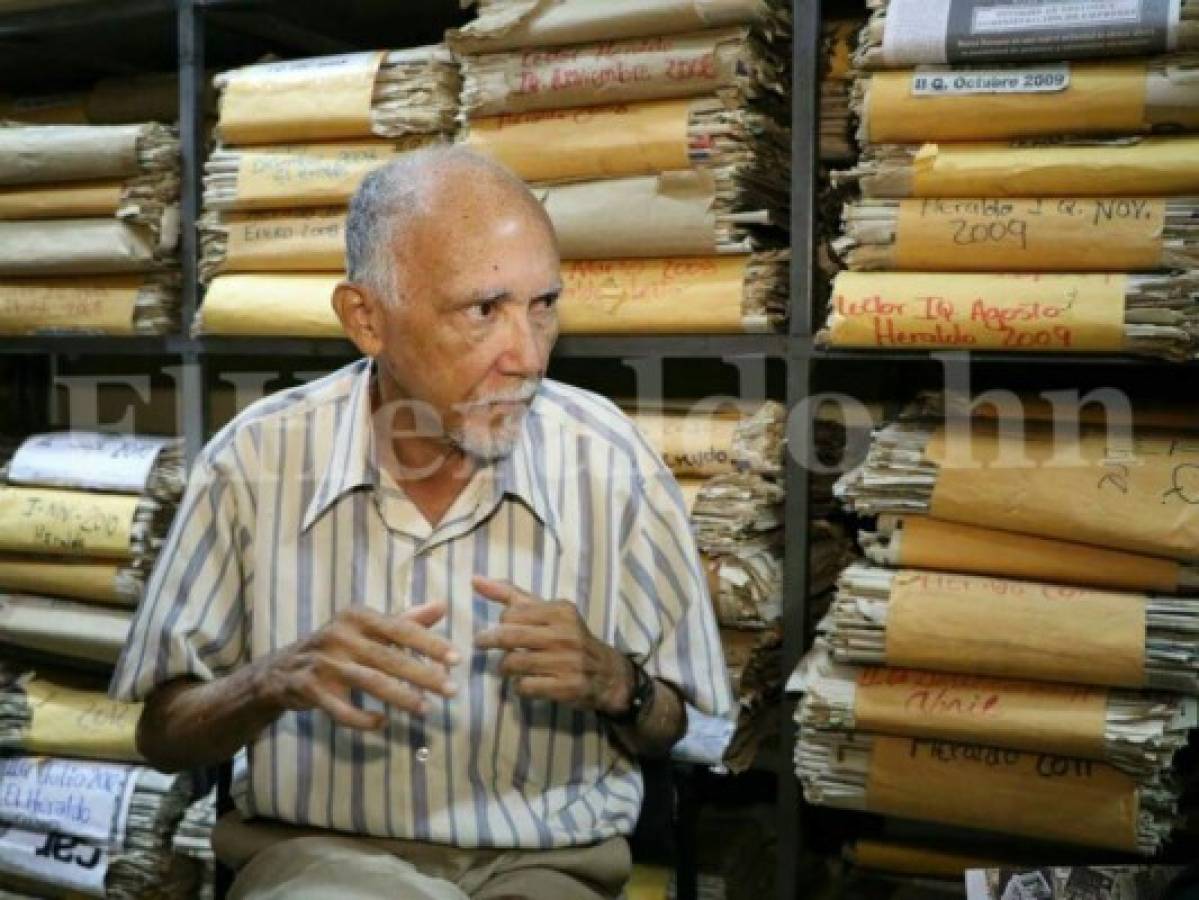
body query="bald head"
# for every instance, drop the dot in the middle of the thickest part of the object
(436, 189)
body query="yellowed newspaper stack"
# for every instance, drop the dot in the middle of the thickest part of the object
(651, 131)
(999, 143)
(295, 140)
(1026, 667)
(89, 227)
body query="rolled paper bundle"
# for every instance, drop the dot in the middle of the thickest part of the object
(193, 840)
(736, 510)
(97, 304)
(98, 581)
(1151, 314)
(1089, 410)
(754, 660)
(1118, 167)
(385, 93)
(723, 294)
(140, 98)
(920, 542)
(699, 443)
(149, 201)
(1137, 732)
(1055, 798)
(835, 137)
(914, 860)
(517, 24)
(732, 63)
(135, 862)
(917, 33)
(1013, 629)
(747, 150)
(998, 103)
(278, 304)
(746, 584)
(1076, 234)
(1135, 494)
(60, 714)
(92, 461)
(64, 629)
(694, 212)
(81, 247)
(45, 109)
(41, 154)
(289, 176)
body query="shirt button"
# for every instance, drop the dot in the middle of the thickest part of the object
(422, 755)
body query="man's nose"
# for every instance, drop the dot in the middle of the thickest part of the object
(524, 350)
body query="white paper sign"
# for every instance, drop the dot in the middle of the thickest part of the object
(56, 859)
(78, 799)
(928, 81)
(87, 461)
(291, 72)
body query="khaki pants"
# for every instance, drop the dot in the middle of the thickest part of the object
(284, 863)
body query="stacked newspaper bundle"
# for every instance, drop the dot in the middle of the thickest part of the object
(121, 100)
(655, 134)
(296, 138)
(76, 828)
(836, 80)
(89, 224)
(82, 518)
(1013, 140)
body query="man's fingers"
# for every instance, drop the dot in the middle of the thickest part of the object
(426, 614)
(400, 665)
(501, 591)
(409, 632)
(382, 687)
(513, 637)
(346, 713)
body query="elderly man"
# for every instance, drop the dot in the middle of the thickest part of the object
(443, 601)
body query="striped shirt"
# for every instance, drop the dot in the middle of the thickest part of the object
(288, 519)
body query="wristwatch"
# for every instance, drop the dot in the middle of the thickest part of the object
(641, 698)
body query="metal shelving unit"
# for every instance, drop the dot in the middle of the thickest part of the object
(200, 357)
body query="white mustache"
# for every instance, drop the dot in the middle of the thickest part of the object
(523, 394)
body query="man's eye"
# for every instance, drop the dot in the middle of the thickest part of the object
(484, 311)
(548, 302)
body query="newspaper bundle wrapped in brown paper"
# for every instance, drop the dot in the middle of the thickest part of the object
(916, 860)
(701, 442)
(1139, 733)
(747, 150)
(140, 862)
(97, 581)
(921, 542)
(732, 63)
(1013, 629)
(1075, 234)
(96, 304)
(291, 176)
(82, 247)
(1135, 494)
(64, 629)
(63, 108)
(1043, 796)
(50, 713)
(515, 24)
(694, 212)
(836, 137)
(42, 154)
(356, 95)
(149, 201)
(1145, 314)
(917, 33)
(980, 104)
(1118, 167)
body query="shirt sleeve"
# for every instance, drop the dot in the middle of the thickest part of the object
(190, 623)
(665, 614)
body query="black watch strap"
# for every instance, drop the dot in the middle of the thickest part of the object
(641, 699)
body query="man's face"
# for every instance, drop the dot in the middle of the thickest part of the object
(476, 319)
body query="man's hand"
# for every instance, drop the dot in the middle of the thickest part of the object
(365, 650)
(551, 654)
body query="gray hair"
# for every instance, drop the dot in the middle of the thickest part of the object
(395, 196)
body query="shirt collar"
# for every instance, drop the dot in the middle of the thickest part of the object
(352, 463)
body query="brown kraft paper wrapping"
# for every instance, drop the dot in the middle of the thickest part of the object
(322, 98)
(56, 153)
(905, 859)
(85, 580)
(1102, 97)
(651, 68)
(1143, 498)
(102, 304)
(926, 543)
(1015, 629)
(918, 310)
(69, 201)
(310, 174)
(287, 240)
(1037, 795)
(274, 305)
(974, 709)
(695, 446)
(653, 295)
(66, 523)
(1043, 235)
(588, 143)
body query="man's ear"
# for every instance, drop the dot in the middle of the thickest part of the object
(361, 315)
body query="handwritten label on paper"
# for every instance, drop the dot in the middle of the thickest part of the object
(1044, 765)
(80, 799)
(978, 312)
(64, 718)
(89, 461)
(33, 308)
(55, 858)
(66, 522)
(999, 234)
